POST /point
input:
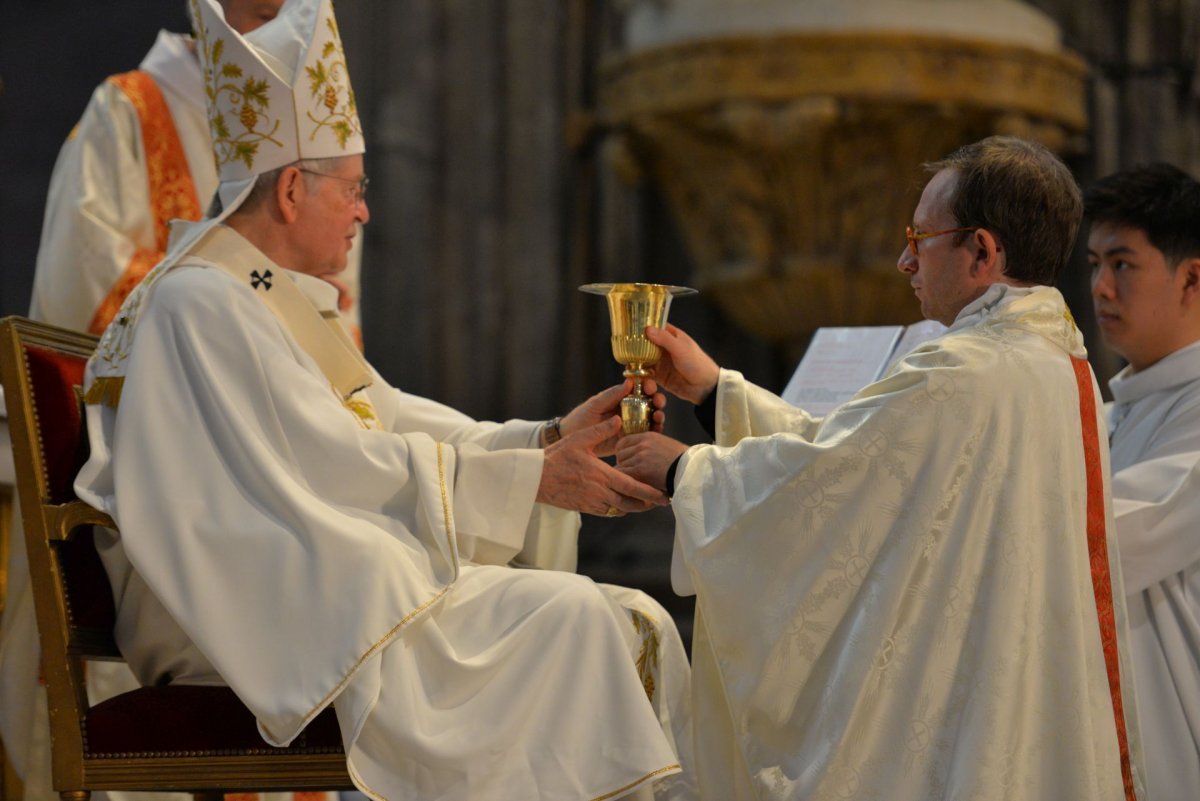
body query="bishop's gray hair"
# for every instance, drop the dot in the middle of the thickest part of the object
(264, 184)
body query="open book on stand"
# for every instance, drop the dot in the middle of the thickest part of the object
(841, 361)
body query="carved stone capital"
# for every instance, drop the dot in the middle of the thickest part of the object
(792, 163)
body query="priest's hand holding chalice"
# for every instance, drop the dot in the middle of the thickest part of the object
(653, 350)
(573, 477)
(632, 307)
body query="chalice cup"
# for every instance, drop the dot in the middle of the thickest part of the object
(632, 307)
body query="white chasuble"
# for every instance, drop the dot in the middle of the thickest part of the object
(310, 542)
(1155, 424)
(915, 597)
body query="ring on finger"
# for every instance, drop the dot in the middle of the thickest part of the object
(612, 512)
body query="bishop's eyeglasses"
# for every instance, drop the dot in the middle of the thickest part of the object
(360, 184)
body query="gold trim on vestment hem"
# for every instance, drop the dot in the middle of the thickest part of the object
(105, 390)
(377, 796)
(446, 518)
(361, 784)
(371, 651)
(645, 778)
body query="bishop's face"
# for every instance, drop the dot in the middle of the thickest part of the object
(940, 270)
(329, 216)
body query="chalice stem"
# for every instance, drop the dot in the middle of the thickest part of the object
(636, 410)
(632, 307)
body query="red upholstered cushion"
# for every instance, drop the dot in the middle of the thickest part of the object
(54, 377)
(172, 720)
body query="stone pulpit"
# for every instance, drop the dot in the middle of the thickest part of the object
(787, 136)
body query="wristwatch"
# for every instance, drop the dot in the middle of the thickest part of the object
(551, 431)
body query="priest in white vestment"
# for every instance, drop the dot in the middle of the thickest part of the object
(917, 596)
(140, 156)
(292, 526)
(1144, 247)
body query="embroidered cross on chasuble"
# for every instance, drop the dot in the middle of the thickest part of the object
(263, 280)
(318, 332)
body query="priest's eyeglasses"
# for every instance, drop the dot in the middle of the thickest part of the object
(360, 184)
(914, 236)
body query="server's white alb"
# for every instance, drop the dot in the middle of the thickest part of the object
(1155, 423)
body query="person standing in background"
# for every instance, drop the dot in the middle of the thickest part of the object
(1144, 248)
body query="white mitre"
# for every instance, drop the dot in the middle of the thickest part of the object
(279, 94)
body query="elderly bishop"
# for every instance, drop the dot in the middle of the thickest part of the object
(293, 527)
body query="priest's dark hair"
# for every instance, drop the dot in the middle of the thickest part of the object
(1159, 199)
(1024, 196)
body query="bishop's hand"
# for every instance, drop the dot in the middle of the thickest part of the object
(603, 405)
(574, 477)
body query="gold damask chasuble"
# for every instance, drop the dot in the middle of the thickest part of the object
(897, 601)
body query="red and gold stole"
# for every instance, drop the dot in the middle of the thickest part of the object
(172, 193)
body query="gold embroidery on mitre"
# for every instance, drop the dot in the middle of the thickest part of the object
(226, 85)
(647, 660)
(329, 88)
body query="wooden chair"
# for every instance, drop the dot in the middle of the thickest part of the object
(194, 739)
(10, 786)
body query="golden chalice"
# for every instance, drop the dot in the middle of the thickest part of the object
(632, 307)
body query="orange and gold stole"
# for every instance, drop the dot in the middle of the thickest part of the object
(1098, 552)
(172, 193)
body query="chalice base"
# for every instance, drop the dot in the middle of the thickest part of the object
(636, 413)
